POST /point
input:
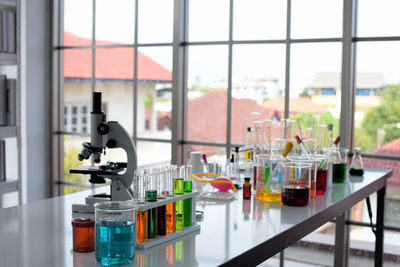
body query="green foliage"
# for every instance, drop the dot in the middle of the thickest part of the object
(386, 113)
(325, 118)
(305, 94)
(364, 140)
(71, 161)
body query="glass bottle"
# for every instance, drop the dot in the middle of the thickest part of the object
(246, 188)
(357, 167)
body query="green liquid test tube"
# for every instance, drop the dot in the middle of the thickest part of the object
(152, 223)
(187, 205)
(179, 215)
(151, 195)
(178, 186)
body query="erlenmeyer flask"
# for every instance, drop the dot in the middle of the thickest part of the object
(357, 167)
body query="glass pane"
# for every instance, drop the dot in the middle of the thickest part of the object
(213, 153)
(153, 153)
(259, 19)
(258, 78)
(154, 92)
(207, 93)
(316, 18)
(78, 16)
(378, 18)
(315, 88)
(77, 89)
(115, 21)
(155, 21)
(72, 189)
(208, 20)
(360, 212)
(377, 119)
(72, 148)
(114, 78)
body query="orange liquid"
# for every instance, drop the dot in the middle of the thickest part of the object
(170, 217)
(269, 197)
(141, 226)
(312, 190)
(83, 239)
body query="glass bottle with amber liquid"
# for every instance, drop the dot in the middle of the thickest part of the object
(246, 188)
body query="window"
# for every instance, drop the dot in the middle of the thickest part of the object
(75, 119)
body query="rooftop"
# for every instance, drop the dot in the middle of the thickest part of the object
(333, 80)
(111, 63)
(297, 105)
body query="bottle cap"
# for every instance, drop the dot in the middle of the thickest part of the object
(247, 179)
(82, 222)
(249, 129)
(236, 149)
(232, 158)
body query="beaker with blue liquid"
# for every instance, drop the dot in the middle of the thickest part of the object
(115, 232)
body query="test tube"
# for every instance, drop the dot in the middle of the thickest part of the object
(151, 196)
(151, 190)
(187, 203)
(141, 232)
(179, 189)
(329, 129)
(322, 129)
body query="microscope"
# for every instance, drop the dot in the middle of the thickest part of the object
(106, 134)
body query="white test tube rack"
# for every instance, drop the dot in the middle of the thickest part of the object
(194, 228)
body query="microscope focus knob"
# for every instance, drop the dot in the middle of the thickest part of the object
(103, 128)
(111, 143)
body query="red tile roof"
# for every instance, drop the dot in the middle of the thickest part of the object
(111, 63)
(207, 116)
(393, 149)
(297, 105)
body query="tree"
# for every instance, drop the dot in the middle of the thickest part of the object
(387, 112)
(71, 162)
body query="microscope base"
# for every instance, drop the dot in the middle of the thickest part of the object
(89, 203)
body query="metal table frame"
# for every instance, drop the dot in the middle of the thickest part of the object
(340, 210)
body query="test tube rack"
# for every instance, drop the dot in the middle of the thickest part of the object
(194, 228)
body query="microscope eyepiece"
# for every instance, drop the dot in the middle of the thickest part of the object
(96, 102)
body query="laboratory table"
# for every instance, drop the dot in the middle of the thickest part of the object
(238, 233)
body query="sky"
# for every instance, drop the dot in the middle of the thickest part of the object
(253, 19)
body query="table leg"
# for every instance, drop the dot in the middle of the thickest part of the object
(380, 216)
(282, 258)
(341, 241)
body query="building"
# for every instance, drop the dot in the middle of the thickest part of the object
(325, 90)
(114, 78)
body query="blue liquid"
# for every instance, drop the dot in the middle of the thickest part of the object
(114, 242)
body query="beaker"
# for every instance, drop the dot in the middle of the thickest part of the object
(338, 157)
(296, 183)
(114, 232)
(268, 188)
(357, 167)
(313, 178)
(323, 171)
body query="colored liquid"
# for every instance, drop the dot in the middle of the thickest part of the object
(170, 217)
(339, 172)
(188, 186)
(114, 242)
(179, 215)
(141, 226)
(312, 188)
(152, 223)
(161, 220)
(246, 190)
(187, 212)
(357, 171)
(273, 195)
(151, 195)
(255, 178)
(322, 180)
(266, 174)
(178, 186)
(187, 205)
(295, 195)
(83, 238)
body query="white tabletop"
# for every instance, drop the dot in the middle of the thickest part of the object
(40, 233)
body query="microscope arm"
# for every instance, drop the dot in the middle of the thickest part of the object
(118, 137)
